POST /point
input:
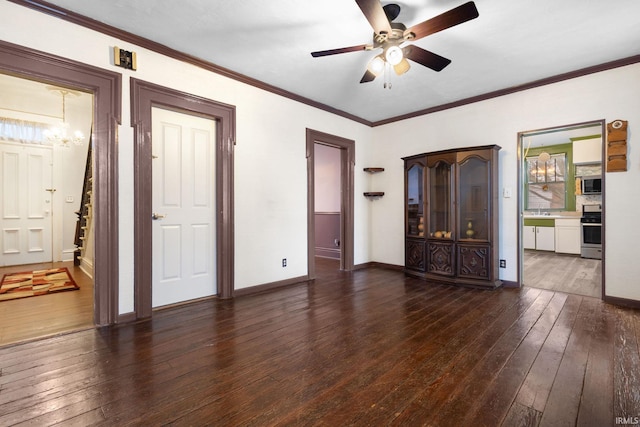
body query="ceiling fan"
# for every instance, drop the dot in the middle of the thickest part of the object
(393, 36)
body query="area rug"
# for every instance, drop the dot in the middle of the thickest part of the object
(34, 283)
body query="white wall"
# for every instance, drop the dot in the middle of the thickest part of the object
(607, 95)
(270, 162)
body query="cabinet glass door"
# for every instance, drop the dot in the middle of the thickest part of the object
(440, 201)
(415, 201)
(474, 199)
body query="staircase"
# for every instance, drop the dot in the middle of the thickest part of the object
(85, 213)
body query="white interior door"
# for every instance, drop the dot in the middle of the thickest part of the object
(26, 202)
(183, 202)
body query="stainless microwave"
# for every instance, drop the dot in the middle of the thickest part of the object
(591, 184)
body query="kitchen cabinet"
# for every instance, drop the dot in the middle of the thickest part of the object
(587, 151)
(541, 238)
(545, 238)
(451, 216)
(529, 236)
(567, 236)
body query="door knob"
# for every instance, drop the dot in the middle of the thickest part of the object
(157, 216)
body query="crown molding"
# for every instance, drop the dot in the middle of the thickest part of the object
(67, 15)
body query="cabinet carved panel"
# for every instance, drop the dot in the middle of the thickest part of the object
(474, 261)
(440, 258)
(415, 254)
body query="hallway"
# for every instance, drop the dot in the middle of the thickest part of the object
(41, 316)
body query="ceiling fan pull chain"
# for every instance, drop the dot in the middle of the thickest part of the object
(387, 76)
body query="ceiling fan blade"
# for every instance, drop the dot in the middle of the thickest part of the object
(453, 17)
(368, 77)
(341, 50)
(426, 58)
(376, 15)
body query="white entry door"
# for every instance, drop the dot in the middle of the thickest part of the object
(25, 204)
(184, 227)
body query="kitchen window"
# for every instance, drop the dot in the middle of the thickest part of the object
(546, 182)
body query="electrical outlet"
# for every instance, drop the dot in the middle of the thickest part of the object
(503, 263)
(284, 262)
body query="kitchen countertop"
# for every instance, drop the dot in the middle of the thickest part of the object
(552, 215)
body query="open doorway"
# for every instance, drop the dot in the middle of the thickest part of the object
(43, 182)
(106, 88)
(327, 213)
(561, 222)
(340, 206)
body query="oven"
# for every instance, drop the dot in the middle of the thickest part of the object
(591, 232)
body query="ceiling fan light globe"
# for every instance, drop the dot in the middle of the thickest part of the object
(393, 55)
(376, 65)
(402, 67)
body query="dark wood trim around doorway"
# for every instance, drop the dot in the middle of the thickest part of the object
(106, 87)
(144, 96)
(347, 163)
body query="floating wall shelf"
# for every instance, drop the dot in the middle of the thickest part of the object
(374, 194)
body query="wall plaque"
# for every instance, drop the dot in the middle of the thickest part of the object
(617, 146)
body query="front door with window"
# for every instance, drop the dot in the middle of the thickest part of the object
(183, 201)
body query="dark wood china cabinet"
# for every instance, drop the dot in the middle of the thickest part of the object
(451, 216)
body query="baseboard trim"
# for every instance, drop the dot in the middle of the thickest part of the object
(624, 302)
(87, 267)
(510, 284)
(375, 264)
(328, 253)
(252, 290)
(127, 317)
(67, 254)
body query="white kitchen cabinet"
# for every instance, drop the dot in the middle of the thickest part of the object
(529, 237)
(587, 151)
(538, 238)
(545, 238)
(568, 236)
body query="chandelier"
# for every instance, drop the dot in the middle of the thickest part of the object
(60, 135)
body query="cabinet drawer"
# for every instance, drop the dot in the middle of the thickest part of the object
(569, 222)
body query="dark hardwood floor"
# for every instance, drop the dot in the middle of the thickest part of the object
(369, 348)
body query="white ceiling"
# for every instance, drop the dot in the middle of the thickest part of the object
(511, 43)
(22, 97)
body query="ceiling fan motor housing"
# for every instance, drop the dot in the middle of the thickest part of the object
(397, 35)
